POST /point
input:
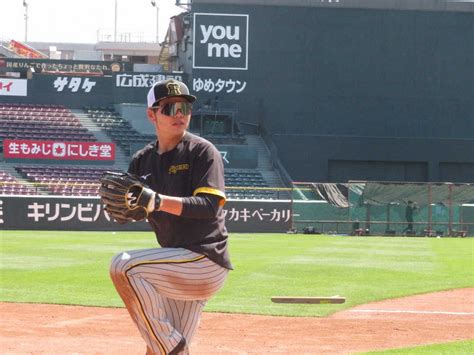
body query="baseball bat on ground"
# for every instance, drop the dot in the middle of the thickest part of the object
(309, 300)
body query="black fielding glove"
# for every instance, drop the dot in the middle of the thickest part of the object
(126, 197)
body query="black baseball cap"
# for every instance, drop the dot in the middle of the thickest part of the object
(168, 88)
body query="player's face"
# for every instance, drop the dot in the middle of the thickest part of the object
(172, 116)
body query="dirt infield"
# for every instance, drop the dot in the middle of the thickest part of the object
(423, 319)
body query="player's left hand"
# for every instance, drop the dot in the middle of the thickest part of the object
(126, 197)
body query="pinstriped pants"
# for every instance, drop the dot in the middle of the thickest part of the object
(165, 290)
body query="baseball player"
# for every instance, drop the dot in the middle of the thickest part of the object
(181, 193)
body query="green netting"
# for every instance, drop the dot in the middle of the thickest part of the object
(391, 219)
(320, 215)
(382, 207)
(310, 210)
(423, 194)
(441, 209)
(467, 217)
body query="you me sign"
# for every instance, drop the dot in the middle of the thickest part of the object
(220, 41)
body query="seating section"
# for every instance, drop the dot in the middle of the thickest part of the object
(117, 128)
(62, 180)
(251, 193)
(41, 122)
(54, 122)
(244, 178)
(83, 181)
(124, 134)
(247, 184)
(9, 185)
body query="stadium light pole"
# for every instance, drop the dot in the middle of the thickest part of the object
(154, 4)
(115, 22)
(25, 4)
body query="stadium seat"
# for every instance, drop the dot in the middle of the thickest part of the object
(64, 180)
(9, 185)
(252, 182)
(118, 129)
(31, 122)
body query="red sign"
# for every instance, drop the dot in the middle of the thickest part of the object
(25, 50)
(29, 149)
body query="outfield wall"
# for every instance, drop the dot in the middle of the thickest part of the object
(78, 91)
(87, 214)
(242, 216)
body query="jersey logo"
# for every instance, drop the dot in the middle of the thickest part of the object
(175, 168)
(145, 177)
(173, 88)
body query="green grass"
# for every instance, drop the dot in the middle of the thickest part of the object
(458, 347)
(72, 268)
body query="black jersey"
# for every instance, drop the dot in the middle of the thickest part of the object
(194, 166)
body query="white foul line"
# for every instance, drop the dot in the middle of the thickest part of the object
(412, 312)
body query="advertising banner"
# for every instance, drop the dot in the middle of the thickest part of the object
(74, 84)
(144, 80)
(220, 41)
(13, 87)
(58, 213)
(71, 90)
(88, 214)
(133, 87)
(53, 150)
(23, 50)
(248, 216)
(64, 66)
(78, 91)
(71, 85)
(221, 84)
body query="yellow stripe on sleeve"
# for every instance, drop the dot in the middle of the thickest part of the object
(211, 191)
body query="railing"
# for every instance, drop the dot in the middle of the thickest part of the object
(125, 37)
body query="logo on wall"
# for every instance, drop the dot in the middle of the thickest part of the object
(73, 84)
(143, 80)
(115, 67)
(59, 150)
(220, 41)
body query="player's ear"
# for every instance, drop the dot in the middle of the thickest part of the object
(151, 115)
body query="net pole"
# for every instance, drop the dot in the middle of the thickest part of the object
(367, 216)
(430, 199)
(292, 203)
(388, 217)
(349, 215)
(450, 204)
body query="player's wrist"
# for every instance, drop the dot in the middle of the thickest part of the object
(158, 201)
(151, 195)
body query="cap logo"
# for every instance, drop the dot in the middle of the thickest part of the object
(173, 89)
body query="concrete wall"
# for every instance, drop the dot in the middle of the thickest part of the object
(136, 115)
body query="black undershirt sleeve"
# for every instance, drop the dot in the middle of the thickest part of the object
(203, 206)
